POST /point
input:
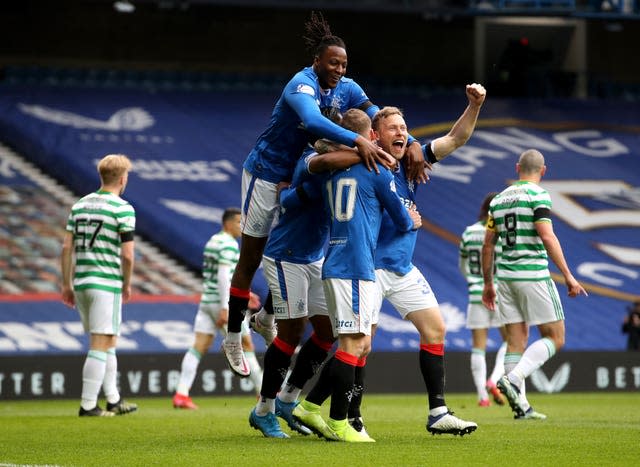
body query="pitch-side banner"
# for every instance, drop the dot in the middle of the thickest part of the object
(188, 148)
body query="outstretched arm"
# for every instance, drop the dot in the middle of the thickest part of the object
(463, 128)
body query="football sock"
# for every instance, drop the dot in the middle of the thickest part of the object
(238, 302)
(498, 367)
(256, 372)
(358, 389)
(321, 391)
(277, 359)
(343, 372)
(265, 405)
(479, 372)
(311, 355)
(109, 385)
(533, 357)
(188, 371)
(92, 377)
(511, 359)
(432, 368)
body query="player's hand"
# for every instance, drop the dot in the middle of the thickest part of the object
(416, 166)
(476, 93)
(415, 216)
(489, 296)
(68, 297)
(575, 288)
(126, 293)
(223, 318)
(254, 301)
(371, 153)
(281, 186)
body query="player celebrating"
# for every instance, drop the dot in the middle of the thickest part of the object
(298, 117)
(356, 199)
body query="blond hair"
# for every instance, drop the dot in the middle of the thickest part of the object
(383, 113)
(112, 167)
(531, 162)
(357, 121)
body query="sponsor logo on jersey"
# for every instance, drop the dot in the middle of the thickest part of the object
(305, 89)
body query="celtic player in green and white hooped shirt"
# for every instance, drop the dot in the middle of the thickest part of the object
(221, 250)
(479, 317)
(221, 254)
(97, 265)
(520, 219)
(99, 221)
(515, 212)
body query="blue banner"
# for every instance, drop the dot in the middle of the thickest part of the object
(188, 148)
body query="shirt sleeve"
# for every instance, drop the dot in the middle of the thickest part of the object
(302, 99)
(386, 191)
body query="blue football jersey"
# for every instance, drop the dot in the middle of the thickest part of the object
(395, 248)
(302, 228)
(299, 118)
(356, 198)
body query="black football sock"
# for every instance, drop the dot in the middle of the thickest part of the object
(343, 373)
(321, 391)
(310, 358)
(432, 368)
(277, 360)
(358, 391)
(238, 302)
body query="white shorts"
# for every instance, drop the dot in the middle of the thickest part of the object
(296, 289)
(352, 305)
(480, 317)
(531, 302)
(100, 311)
(259, 206)
(407, 293)
(206, 317)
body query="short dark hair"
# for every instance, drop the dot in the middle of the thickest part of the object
(484, 209)
(229, 213)
(318, 36)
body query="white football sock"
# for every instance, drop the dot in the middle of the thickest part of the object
(498, 367)
(479, 372)
(110, 383)
(92, 378)
(256, 372)
(188, 371)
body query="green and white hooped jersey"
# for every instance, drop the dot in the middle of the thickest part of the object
(97, 221)
(221, 248)
(513, 215)
(471, 259)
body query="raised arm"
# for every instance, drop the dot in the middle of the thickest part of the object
(463, 128)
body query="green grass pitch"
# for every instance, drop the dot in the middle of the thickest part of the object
(582, 429)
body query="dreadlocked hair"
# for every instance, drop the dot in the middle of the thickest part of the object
(318, 37)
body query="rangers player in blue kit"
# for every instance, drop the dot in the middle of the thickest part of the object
(299, 117)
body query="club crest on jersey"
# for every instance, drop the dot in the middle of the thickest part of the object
(305, 89)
